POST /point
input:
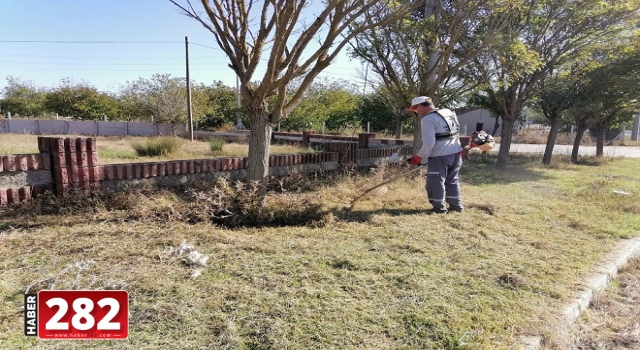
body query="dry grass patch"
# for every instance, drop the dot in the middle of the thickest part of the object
(612, 320)
(115, 149)
(385, 275)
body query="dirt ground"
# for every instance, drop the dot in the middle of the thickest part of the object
(613, 320)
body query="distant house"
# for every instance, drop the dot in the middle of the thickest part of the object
(473, 119)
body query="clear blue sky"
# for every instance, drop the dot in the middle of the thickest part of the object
(107, 66)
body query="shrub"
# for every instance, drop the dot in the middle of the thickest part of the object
(157, 146)
(217, 143)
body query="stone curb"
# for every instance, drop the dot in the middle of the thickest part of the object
(606, 270)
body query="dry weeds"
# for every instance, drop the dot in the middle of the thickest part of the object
(384, 276)
(613, 319)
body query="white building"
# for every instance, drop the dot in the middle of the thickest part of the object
(472, 119)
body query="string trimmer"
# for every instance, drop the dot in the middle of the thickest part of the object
(382, 190)
(479, 139)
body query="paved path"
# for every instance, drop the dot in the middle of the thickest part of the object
(610, 151)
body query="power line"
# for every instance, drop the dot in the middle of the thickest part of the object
(97, 69)
(209, 47)
(107, 57)
(105, 64)
(88, 42)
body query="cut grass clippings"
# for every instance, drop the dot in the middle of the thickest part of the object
(385, 275)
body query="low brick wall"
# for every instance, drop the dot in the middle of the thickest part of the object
(172, 173)
(66, 164)
(24, 176)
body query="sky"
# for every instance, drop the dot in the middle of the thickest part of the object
(46, 41)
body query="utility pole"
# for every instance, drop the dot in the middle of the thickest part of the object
(636, 125)
(189, 112)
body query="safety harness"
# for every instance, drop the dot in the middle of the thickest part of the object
(453, 127)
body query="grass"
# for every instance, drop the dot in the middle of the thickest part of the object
(385, 275)
(157, 146)
(114, 150)
(217, 143)
(611, 321)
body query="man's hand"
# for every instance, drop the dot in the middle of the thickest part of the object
(415, 160)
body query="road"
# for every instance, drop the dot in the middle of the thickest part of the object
(609, 151)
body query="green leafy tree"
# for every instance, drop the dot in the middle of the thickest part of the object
(428, 52)
(613, 89)
(332, 102)
(23, 98)
(541, 38)
(165, 98)
(132, 104)
(555, 97)
(383, 114)
(224, 109)
(80, 101)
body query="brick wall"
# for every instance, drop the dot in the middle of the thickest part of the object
(66, 164)
(23, 176)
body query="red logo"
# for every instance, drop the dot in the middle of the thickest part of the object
(83, 314)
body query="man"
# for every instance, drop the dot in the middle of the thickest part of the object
(440, 151)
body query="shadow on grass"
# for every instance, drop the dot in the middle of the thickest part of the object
(355, 215)
(480, 169)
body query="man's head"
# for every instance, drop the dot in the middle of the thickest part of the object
(420, 105)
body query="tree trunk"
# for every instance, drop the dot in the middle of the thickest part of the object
(259, 142)
(600, 140)
(495, 127)
(417, 134)
(576, 143)
(551, 141)
(398, 127)
(506, 134)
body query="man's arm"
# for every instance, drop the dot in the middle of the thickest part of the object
(428, 138)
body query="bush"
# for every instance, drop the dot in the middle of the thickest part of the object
(217, 143)
(157, 146)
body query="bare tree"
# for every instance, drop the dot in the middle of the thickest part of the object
(298, 41)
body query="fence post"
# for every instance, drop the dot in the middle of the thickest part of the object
(306, 136)
(363, 139)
